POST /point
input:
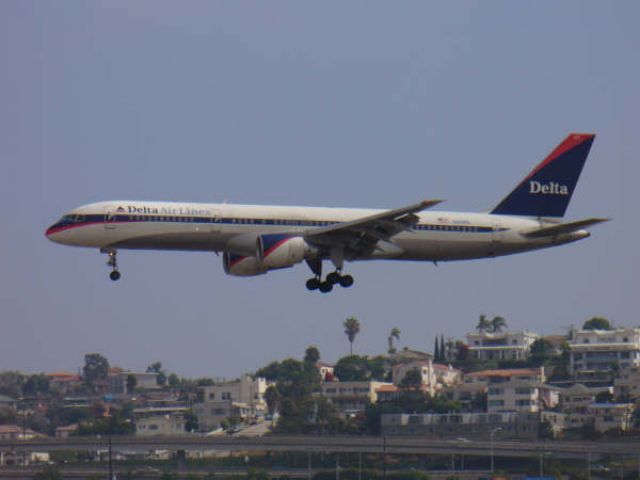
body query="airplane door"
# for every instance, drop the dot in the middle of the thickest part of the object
(496, 236)
(110, 220)
(215, 224)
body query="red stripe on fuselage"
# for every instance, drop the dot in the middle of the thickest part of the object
(52, 230)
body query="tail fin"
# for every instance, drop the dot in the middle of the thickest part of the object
(547, 190)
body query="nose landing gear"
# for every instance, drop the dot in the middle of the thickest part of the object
(113, 263)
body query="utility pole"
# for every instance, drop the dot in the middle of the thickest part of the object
(110, 461)
(384, 458)
(540, 463)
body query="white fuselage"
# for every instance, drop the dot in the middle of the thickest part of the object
(438, 236)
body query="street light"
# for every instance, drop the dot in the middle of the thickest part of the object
(491, 434)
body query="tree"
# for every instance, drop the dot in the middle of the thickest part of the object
(351, 329)
(35, 384)
(190, 421)
(483, 324)
(597, 323)
(50, 472)
(411, 380)
(498, 324)
(436, 350)
(311, 356)
(96, 367)
(541, 352)
(443, 351)
(395, 333)
(156, 367)
(272, 397)
(173, 380)
(352, 369)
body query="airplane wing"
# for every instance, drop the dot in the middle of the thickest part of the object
(564, 228)
(360, 236)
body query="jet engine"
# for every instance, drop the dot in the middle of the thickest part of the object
(282, 251)
(242, 266)
(270, 252)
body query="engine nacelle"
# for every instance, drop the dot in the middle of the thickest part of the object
(282, 251)
(241, 266)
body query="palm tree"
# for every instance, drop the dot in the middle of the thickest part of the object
(395, 333)
(351, 329)
(497, 324)
(483, 324)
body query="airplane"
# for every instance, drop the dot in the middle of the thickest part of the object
(256, 239)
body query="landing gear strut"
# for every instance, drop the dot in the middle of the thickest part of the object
(113, 263)
(333, 278)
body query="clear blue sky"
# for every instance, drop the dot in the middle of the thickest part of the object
(360, 104)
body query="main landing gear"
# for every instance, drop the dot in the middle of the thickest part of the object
(113, 263)
(333, 278)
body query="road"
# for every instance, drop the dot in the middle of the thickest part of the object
(364, 444)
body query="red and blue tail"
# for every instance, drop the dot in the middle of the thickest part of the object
(547, 190)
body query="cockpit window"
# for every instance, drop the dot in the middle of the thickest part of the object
(69, 219)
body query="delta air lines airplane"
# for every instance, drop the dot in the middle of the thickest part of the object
(256, 239)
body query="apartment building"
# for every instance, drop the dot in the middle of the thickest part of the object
(505, 425)
(352, 397)
(515, 390)
(602, 350)
(500, 345)
(627, 384)
(242, 398)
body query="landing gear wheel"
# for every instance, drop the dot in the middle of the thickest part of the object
(115, 275)
(326, 287)
(346, 281)
(313, 283)
(333, 278)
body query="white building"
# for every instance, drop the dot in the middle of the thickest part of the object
(610, 416)
(143, 381)
(434, 377)
(515, 390)
(627, 384)
(159, 421)
(352, 397)
(485, 346)
(241, 398)
(600, 350)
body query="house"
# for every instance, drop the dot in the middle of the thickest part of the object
(627, 384)
(610, 416)
(500, 346)
(578, 397)
(160, 421)
(326, 371)
(352, 397)
(7, 402)
(604, 350)
(66, 431)
(63, 382)
(15, 432)
(242, 398)
(118, 380)
(434, 377)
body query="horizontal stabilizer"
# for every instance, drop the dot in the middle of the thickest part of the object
(564, 228)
